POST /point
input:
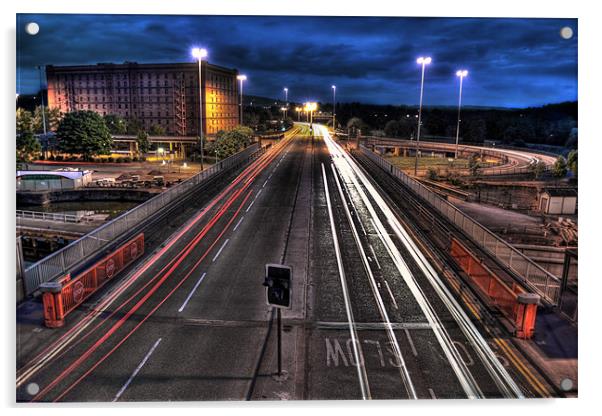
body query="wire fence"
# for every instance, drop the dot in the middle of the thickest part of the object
(49, 216)
(535, 277)
(61, 261)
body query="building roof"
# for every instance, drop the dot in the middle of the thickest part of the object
(560, 191)
(193, 66)
(71, 174)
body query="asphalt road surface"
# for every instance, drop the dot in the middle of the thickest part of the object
(370, 317)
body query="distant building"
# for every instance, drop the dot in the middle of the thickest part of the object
(54, 180)
(557, 201)
(165, 95)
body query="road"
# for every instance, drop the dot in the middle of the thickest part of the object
(370, 319)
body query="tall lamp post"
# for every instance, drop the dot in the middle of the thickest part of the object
(310, 108)
(42, 99)
(461, 73)
(285, 101)
(334, 106)
(199, 54)
(298, 109)
(241, 78)
(423, 61)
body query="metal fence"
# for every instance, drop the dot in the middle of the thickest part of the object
(73, 254)
(532, 275)
(49, 216)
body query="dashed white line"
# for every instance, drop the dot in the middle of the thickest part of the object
(220, 250)
(432, 393)
(375, 257)
(265, 183)
(238, 223)
(137, 370)
(250, 205)
(391, 294)
(191, 293)
(411, 343)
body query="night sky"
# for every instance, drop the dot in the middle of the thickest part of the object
(511, 62)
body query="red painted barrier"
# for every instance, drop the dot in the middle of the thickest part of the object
(519, 306)
(64, 295)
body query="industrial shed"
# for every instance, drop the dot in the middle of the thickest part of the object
(54, 180)
(558, 201)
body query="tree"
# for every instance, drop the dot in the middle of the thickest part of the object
(156, 130)
(560, 168)
(355, 126)
(84, 133)
(143, 142)
(52, 117)
(392, 128)
(572, 161)
(133, 126)
(24, 121)
(473, 164)
(28, 147)
(230, 142)
(116, 124)
(537, 168)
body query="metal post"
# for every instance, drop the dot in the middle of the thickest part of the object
(201, 110)
(334, 107)
(42, 100)
(241, 80)
(419, 120)
(279, 314)
(458, 127)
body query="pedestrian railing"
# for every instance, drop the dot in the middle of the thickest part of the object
(530, 273)
(49, 216)
(62, 261)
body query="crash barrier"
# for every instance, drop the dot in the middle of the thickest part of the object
(64, 295)
(516, 304)
(530, 274)
(63, 260)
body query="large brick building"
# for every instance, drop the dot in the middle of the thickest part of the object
(166, 95)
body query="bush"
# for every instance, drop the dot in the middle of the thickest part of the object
(432, 173)
(51, 157)
(59, 158)
(110, 159)
(119, 160)
(42, 157)
(135, 159)
(127, 159)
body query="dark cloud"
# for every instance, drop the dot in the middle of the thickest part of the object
(512, 62)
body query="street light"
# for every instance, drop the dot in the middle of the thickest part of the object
(424, 61)
(199, 54)
(285, 101)
(241, 78)
(42, 98)
(334, 106)
(461, 73)
(298, 109)
(310, 108)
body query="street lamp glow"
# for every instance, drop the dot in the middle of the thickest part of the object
(199, 53)
(423, 61)
(241, 78)
(460, 73)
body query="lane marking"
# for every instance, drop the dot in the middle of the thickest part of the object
(238, 223)
(432, 393)
(411, 342)
(391, 294)
(374, 255)
(361, 370)
(250, 205)
(191, 293)
(265, 183)
(220, 250)
(137, 370)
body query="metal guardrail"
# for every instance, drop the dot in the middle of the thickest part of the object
(63, 260)
(49, 216)
(532, 275)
